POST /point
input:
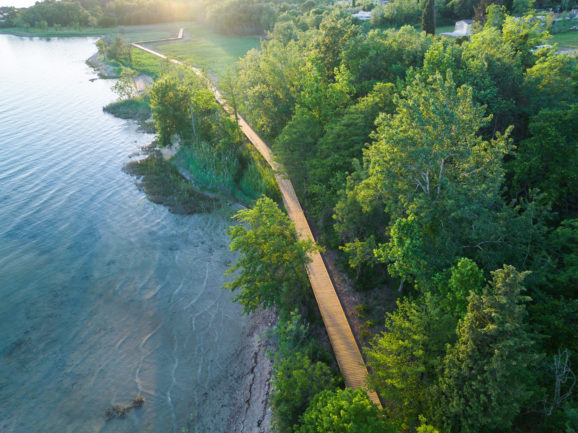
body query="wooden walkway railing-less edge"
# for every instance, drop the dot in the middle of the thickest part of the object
(342, 340)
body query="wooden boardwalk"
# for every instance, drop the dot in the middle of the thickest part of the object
(342, 340)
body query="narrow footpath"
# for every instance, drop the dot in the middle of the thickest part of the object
(342, 340)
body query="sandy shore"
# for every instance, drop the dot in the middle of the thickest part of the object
(103, 70)
(251, 413)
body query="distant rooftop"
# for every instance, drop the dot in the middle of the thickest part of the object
(362, 15)
(463, 28)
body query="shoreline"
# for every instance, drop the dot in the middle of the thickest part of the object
(249, 410)
(103, 70)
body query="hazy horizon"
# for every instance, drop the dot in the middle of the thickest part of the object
(17, 3)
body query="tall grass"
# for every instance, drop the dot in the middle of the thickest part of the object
(228, 168)
(137, 108)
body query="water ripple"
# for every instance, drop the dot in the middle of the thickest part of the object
(103, 295)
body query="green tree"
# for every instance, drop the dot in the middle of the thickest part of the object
(341, 144)
(547, 159)
(428, 18)
(490, 66)
(335, 33)
(384, 55)
(405, 357)
(267, 85)
(119, 50)
(171, 103)
(495, 16)
(551, 83)
(344, 411)
(125, 87)
(465, 277)
(294, 335)
(487, 374)
(271, 269)
(296, 380)
(435, 175)
(525, 34)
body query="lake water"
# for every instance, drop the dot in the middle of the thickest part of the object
(104, 296)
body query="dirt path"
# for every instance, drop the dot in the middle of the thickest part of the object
(342, 340)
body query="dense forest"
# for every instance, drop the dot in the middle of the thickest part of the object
(96, 13)
(252, 17)
(442, 170)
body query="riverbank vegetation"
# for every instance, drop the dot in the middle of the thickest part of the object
(212, 151)
(444, 170)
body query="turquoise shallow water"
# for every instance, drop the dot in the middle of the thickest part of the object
(103, 295)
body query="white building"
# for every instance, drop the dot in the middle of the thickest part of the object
(463, 28)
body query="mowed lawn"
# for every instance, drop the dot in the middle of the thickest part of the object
(146, 63)
(566, 41)
(207, 50)
(445, 29)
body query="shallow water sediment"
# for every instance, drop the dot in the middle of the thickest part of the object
(105, 296)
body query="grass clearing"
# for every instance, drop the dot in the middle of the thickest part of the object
(566, 41)
(146, 63)
(445, 29)
(207, 50)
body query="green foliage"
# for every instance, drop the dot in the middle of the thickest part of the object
(267, 81)
(463, 8)
(551, 83)
(344, 411)
(404, 251)
(465, 278)
(335, 33)
(487, 373)
(117, 49)
(343, 142)
(296, 380)
(524, 34)
(293, 335)
(137, 108)
(425, 199)
(436, 176)
(385, 55)
(295, 143)
(125, 86)
(240, 17)
(8, 16)
(272, 263)
(424, 428)
(428, 18)
(490, 66)
(405, 357)
(546, 160)
(321, 96)
(564, 242)
(50, 13)
(171, 98)
(397, 13)
(495, 16)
